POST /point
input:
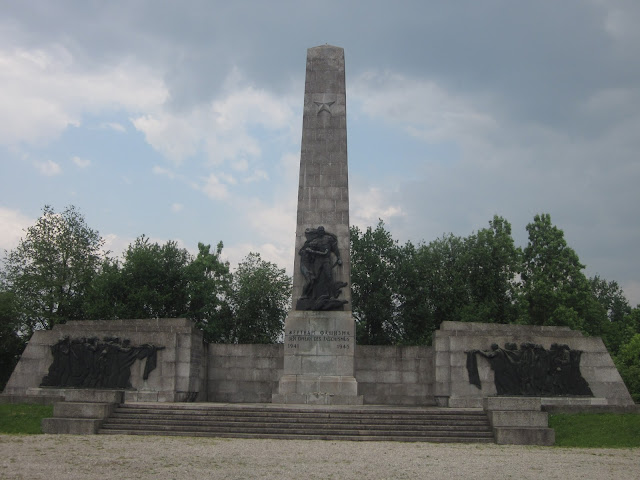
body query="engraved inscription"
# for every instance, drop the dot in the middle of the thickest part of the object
(341, 337)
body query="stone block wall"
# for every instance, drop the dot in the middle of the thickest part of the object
(454, 339)
(243, 373)
(386, 375)
(394, 375)
(179, 374)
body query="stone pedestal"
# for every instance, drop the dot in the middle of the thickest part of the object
(319, 359)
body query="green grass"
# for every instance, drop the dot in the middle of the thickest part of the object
(23, 418)
(603, 430)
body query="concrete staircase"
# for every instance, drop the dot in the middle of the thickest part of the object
(301, 422)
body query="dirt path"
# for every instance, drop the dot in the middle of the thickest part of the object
(100, 457)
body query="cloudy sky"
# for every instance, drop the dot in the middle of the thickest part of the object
(182, 120)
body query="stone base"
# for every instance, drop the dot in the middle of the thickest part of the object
(83, 410)
(524, 436)
(319, 362)
(80, 394)
(80, 417)
(71, 426)
(317, 399)
(318, 390)
(519, 421)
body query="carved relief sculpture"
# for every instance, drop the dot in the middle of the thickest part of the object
(531, 370)
(320, 290)
(91, 363)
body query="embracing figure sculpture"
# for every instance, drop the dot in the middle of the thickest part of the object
(320, 290)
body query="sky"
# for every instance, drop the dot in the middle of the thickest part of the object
(182, 120)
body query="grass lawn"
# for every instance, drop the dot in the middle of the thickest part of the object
(23, 418)
(603, 430)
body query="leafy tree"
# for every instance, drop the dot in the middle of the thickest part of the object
(155, 279)
(260, 299)
(11, 342)
(442, 265)
(51, 269)
(628, 364)
(491, 265)
(415, 305)
(208, 289)
(374, 285)
(151, 282)
(106, 295)
(554, 287)
(619, 324)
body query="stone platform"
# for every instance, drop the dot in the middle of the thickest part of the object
(319, 363)
(179, 373)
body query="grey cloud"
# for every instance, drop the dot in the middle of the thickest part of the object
(544, 56)
(560, 81)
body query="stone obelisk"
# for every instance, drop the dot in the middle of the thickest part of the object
(319, 339)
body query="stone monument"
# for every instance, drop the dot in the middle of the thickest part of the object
(319, 337)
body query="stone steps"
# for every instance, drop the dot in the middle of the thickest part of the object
(336, 423)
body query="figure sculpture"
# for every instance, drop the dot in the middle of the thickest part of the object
(320, 290)
(91, 363)
(531, 370)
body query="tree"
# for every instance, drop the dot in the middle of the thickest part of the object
(11, 342)
(415, 306)
(619, 321)
(155, 279)
(208, 289)
(554, 287)
(260, 299)
(164, 281)
(51, 269)
(442, 265)
(374, 286)
(628, 363)
(492, 263)
(151, 282)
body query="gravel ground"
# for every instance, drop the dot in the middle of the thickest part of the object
(104, 456)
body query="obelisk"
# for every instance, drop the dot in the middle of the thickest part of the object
(319, 339)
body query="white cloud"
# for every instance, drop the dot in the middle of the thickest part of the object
(45, 90)
(117, 127)
(81, 162)
(177, 207)
(424, 108)
(221, 129)
(370, 205)
(48, 168)
(115, 244)
(276, 221)
(214, 188)
(176, 137)
(229, 179)
(281, 255)
(12, 227)
(256, 176)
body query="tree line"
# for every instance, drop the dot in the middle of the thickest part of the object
(401, 293)
(59, 272)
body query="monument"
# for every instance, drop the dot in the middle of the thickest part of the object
(319, 340)
(512, 371)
